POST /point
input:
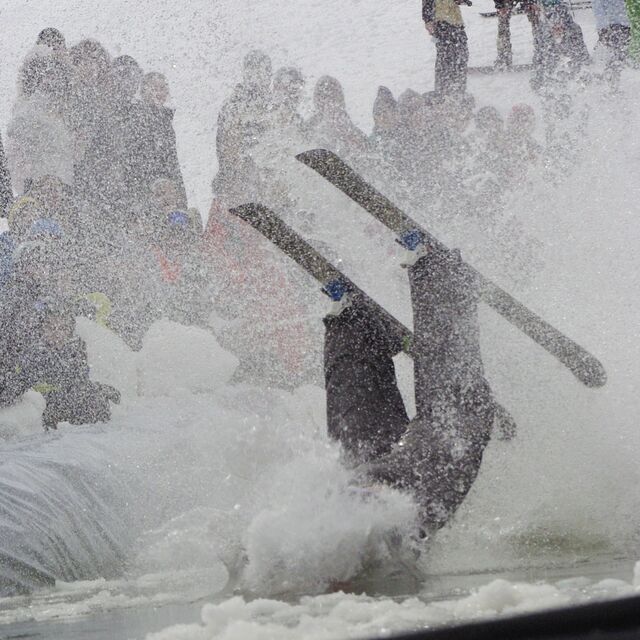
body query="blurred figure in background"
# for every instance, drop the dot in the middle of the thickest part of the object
(242, 123)
(614, 34)
(386, 121)
(54, 363)
(505, 9)
(288, 84)
(155, 153)
(330, 126)
(39, 141)
(443, 20)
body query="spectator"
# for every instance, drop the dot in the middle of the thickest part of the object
(443, 20)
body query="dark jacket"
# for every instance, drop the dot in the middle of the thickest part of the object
(61, 375)
(154, 151)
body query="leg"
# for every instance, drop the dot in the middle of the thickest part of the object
(461, 59)
(443, 447)
(365, 411)
(505, 55)
(452, 58)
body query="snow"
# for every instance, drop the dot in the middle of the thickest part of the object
(196, 472)
(342, 615)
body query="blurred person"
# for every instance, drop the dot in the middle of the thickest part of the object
(386, 123)
(39, 141)
(180, 270)
(243, 122)
(55, 364)
(561, 52)
(443, 21)
(110, 179)
(38, 269)
(521, 148)
(330, 126)
(154, 148)
(614, 34)
(288, 84)
(505, 9)
(86, 105)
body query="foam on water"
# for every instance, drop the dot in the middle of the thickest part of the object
(340, 615)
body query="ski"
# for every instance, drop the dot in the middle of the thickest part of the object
(300, 251)
(574, 5)
(586, 367)
(312, 261)
(490, 70)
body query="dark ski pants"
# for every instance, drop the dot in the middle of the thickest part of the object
(452, 58)
(437, 455)
(505, 54)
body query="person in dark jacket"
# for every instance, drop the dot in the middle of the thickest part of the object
(111, 176)
(437, 455)
(155, 152)
(55, 364)
(561, 52)
(443, 20)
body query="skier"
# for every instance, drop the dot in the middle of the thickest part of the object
(443, 20)
(614, 34)
(437, 455)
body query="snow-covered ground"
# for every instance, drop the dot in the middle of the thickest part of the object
(203, 469)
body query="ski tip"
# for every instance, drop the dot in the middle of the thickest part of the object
(248, 211)
(314, 156)
(591, 373)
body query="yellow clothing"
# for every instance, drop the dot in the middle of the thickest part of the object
(448, 11)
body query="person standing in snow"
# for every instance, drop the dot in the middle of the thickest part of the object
(505, 8)
(614, 33)
(443, 20)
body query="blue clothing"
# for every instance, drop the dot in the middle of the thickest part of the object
(610, 12)
(7, 248)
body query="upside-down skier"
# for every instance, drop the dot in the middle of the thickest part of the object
(437, 455)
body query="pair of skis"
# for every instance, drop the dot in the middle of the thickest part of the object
(580, 362)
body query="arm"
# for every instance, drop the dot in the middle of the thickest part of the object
(428, 11)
